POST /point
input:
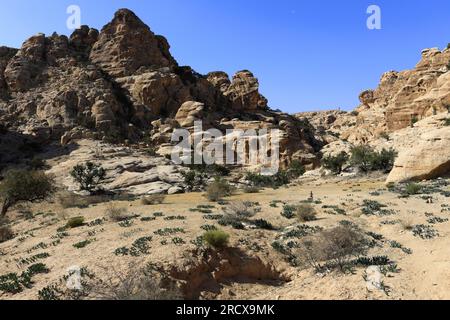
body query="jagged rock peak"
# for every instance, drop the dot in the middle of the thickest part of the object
(127, 44)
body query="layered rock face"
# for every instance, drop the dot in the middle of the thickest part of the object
(406, 112)
(123, 83)
(403, 98)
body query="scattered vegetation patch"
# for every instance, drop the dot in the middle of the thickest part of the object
(13, 283)
(398, 245)
(83, 244)
(169, 231)
(208, 227)
(138, 248)
(437, 220)
(334, 210)
(375, 208)
(424, 232)
(172, 218)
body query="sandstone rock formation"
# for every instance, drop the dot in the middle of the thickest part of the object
(122, 85)
(424, 151)
(127, 170)
(126, 44)
(405, 112)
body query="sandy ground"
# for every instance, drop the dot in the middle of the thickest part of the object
(424, 274)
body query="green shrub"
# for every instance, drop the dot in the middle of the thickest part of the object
(194, 180)
(219, 189)
(75, 222)
(335, 163)
(217, 239)
(288, 211)
(296, 169)
(263, 224)
(366, 159)
(413, 189)
(88, 176)
(24, 186)
(384, 160)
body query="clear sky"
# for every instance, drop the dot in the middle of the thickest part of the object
(308, 55)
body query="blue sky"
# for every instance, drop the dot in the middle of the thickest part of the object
(308, 55)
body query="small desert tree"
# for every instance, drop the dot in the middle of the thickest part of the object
(22, 185)
(335, 163)
(89, 176)
(362, 157)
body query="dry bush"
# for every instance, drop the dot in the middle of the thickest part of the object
(251, 189)
(71, 200)
(219, 189)
(153, 199)
(116, 213)
(242, 210)
(6, 233)
(333, 248)
(134, 284)
(306, 213)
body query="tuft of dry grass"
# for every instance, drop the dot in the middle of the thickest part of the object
(153, 199)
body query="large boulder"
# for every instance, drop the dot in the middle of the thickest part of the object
(428, 158)
(244, 92)
(189, 112)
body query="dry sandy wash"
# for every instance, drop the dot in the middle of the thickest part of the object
(252, 268)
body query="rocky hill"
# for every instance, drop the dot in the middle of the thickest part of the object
(408, 112)
(122, 84)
